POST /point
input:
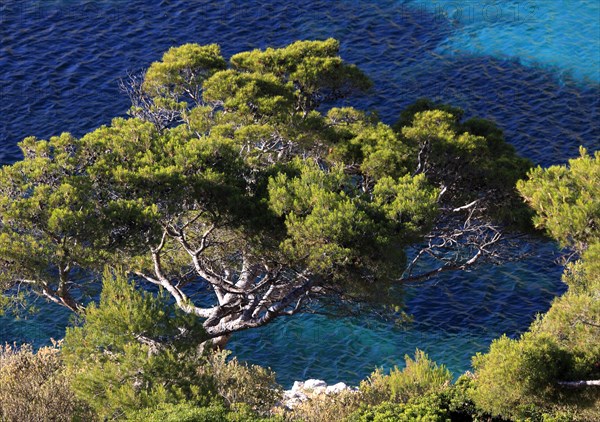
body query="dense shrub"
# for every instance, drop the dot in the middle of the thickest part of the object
(186, 412)
(428, 408)
(574, 318)
(458, 401)
(132, 354)
(34, 387)
(450, 402)
(129, 353)
(181, 412)
(419, 377)
(443, 401)
(517, 378)
(521, 378)
(240, 383)
(326, 407)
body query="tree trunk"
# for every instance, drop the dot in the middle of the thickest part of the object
(214, 344)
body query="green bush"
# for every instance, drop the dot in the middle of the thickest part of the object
(520, 378)
(458, 400)
(326, 407)
(573, 321)
(181, 412)
(517, 378)
(187, 412)
(129, 354)
(419, 377)
(240, 383)
(34, 387)
(428, 408)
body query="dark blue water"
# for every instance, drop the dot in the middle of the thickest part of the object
(60, 62)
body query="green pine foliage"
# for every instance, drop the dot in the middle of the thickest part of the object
(517, 377)
(186, 412)
(132, 352)
(574, 318)
(334, 227)
(566, 200)
(180, 412)
(249, 152)
(426, 409)
(470, 159)
(523, 378)
(407, 115)
(313, 69)
(419, 377)
(42, 208)
(182, 71)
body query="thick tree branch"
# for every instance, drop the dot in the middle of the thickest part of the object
(277, 309)
(180, 298)
(580, 384)
(60, 297)
(218, 282)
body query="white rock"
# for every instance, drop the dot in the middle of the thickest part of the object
(299, 396)
(319, 390)
(298, 386)
(336, 388)
(292, 399)
(312, 384)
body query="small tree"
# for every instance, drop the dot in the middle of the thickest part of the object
(517, 377)
(133, 352)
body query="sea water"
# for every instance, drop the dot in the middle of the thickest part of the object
(532, 66)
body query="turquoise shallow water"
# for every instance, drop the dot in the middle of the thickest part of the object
(555, 34)
(559, 35)
(535, 75)
(455, 316)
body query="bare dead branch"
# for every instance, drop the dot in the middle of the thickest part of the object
(143, 105)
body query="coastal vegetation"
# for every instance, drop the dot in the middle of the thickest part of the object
(241, 191)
